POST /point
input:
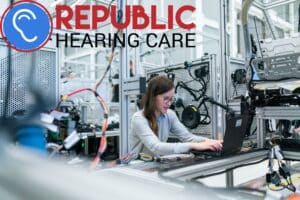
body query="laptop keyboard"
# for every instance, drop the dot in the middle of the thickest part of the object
(207, 153)
(290, 144)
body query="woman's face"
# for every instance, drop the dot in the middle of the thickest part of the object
(164, 101)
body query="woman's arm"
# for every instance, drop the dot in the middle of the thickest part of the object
(195, 142)
(140, 127)
(214, 145)
(181, 131)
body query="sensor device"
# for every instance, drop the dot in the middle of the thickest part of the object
(190, 116)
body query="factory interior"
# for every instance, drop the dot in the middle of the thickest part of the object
(160, 99)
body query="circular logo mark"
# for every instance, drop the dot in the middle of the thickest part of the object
(26, 26)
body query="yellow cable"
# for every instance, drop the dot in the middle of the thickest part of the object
(294, 177)
(64, 97)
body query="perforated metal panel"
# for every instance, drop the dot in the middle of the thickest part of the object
(238, 89)
(3, 81)
(44, 79)
(183, 75)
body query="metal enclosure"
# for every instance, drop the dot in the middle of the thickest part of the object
(44, 79)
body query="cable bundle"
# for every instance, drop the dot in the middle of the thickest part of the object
(273, 176)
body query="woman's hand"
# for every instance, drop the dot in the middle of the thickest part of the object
(297, 130)
(208, 144)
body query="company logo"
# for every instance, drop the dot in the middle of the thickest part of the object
(26, 26)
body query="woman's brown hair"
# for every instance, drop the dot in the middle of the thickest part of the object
(156, 86)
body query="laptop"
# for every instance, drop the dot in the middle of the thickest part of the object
(236, 127)
(288, 144)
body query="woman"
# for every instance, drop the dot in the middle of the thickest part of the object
(151, 126)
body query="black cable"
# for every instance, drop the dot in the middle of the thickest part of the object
(234, 90)
(194, 78)
(204, 87)
(206, 116)
(250, 89)
(229, 169)
(201, 96)
(257, 36)
(8, 82)
(299, 18)
(190, 90)
(200, 80)
(114, 45)
(254, 131)
(185, 86)
(202, 91)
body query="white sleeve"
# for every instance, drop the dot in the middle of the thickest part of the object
(142, 130)
(181, 131)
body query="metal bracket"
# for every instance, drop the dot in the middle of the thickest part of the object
(134, 86)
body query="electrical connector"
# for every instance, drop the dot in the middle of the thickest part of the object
(275, 179)
(278, 153)
(65, 97)
(284, 171)
(268, 177)
(146, 157)
(71, 140)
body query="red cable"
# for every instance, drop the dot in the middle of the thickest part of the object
(103, 140)
(77, 91)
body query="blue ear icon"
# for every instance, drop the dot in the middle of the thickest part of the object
(19, 15)
(26, 26)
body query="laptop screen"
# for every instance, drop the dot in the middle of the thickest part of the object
(236, 127)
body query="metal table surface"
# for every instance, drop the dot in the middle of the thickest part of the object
(204, 168)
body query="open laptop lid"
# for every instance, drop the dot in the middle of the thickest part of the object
(236, 127)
